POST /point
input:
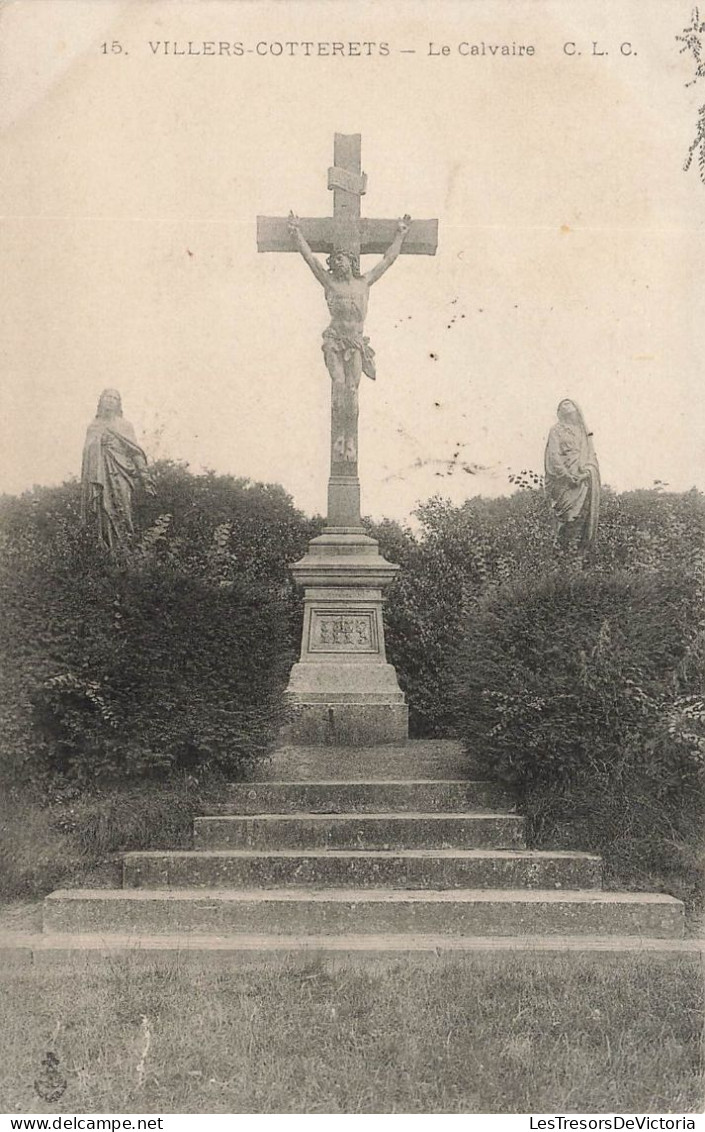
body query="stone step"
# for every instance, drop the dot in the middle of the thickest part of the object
(413, 760)
(22, 951)
(468, 912)
(336, 868)
(425, 796)
(475, 830)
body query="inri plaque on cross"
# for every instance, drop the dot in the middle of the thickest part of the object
(347, 352)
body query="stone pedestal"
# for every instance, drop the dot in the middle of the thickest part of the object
(342, 691)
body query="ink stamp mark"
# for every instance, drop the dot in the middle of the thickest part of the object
(50, 1084)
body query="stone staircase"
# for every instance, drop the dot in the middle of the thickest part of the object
(399, 854)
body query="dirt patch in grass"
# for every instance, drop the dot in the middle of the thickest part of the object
(531, 1034)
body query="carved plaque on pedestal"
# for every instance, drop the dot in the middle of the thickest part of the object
(343, 631)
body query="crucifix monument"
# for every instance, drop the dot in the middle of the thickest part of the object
(342, 689)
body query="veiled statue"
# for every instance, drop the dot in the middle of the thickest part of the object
(572, 479)
(113, 466)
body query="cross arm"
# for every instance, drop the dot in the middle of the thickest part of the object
(378, 236)
(273, 235)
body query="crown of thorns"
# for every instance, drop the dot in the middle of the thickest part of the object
(354, 259)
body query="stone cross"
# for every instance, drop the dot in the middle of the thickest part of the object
(346, 231)
(346, 228)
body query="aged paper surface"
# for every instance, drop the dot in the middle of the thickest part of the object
(141, 139)
(560, 145)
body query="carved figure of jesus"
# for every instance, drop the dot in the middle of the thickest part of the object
(346, 351)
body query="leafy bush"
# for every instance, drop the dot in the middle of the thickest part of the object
(582, 693)
(173, 656)
(458, 554)
(423, 615)
(461, 554)
(580, 689)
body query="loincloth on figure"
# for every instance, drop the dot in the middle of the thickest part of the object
(345, 346)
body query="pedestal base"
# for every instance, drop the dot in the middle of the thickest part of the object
(342, 691)
(347, 724)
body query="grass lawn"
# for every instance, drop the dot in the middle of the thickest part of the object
(499, 1034)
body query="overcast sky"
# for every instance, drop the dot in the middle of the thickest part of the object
(570, 258)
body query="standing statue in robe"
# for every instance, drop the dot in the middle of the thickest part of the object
(572, 479)
(346, 351)
(113, 466)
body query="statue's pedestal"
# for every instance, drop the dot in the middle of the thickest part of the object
(342, 691)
